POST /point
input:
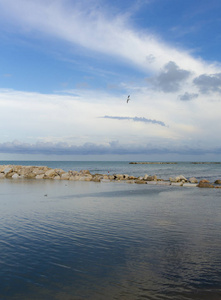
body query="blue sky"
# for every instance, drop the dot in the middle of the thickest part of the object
(67, 67)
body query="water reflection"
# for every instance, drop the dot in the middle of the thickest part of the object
(108, 241)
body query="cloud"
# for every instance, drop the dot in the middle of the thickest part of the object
(135, 119)
(188, 96)
(208, 83)
(98, 28)
(170, 79)
(112, 148)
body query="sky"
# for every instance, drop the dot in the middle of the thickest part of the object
(67, 68)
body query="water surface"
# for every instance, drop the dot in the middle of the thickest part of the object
(86, 240)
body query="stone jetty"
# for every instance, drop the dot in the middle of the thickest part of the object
(43, 172)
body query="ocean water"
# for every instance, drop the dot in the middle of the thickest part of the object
(210, 171)
(86, 240)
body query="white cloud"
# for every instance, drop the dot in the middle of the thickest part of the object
(99, 31)
(75, 120)
(72, 117)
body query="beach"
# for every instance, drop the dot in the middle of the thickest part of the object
(63, 239)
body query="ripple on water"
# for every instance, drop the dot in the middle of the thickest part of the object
(109, 242)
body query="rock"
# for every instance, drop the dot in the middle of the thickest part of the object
(130, 181)
(40, 176)
(172, 179)
(182, 178)
(30, 175)
(60, 171)
(2, 175)
(85, 172)
(65, 176)
(7, 170)
(96, 179)
(85, 178)
(179, 178)
(15, 176)
(205, 184)
(10, 174)
(38, 171)
(119, 176)
(218, 181)
(193, 180)
(151, 178)
(140, 182)
(50, 174)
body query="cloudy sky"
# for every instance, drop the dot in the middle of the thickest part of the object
(68, 66)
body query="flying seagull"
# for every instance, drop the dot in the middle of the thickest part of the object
(128, 98)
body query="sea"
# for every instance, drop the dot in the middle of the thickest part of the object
(110, 240)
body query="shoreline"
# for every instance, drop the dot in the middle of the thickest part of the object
(17, 172)
(173, 163)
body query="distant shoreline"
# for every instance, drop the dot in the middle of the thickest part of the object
(169, 163)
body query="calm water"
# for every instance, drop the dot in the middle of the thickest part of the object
(86, 240)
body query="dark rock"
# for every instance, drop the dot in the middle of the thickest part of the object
(205, 184)
(218, 181)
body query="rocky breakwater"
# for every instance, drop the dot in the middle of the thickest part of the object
(43, 172)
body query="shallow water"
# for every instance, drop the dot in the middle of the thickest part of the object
(86, 240)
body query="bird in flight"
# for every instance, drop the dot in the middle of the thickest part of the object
(128, 98)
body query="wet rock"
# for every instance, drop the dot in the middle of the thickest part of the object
(218, 181)
(205, 184)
